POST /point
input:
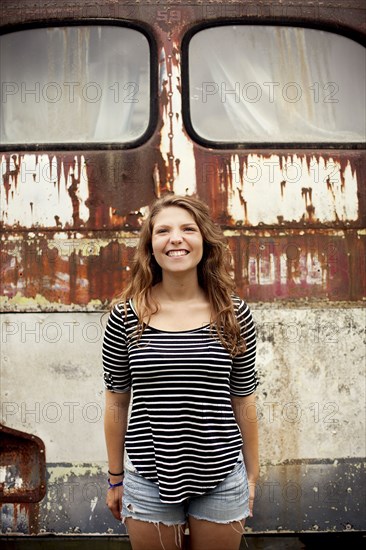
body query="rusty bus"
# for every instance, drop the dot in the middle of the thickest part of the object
(259, 109)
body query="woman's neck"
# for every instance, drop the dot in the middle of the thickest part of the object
(178, 289)
(182, 305)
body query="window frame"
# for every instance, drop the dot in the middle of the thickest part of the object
(95, 145)
(265, 145)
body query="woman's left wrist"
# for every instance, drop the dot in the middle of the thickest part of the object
(112, 483)
(118, 473)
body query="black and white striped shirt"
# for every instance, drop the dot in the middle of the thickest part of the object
(182, 433)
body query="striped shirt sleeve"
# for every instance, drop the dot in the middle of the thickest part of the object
(114, 353)
(243, 379)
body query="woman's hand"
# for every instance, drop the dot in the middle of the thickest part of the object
(114, 501)
(251, 497)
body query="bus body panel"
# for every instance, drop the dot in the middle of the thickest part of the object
(70, 222)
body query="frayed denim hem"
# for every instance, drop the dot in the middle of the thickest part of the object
(166, 523)
(179, 529)
(222, 522)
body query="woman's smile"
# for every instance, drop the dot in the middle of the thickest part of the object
(177, 253)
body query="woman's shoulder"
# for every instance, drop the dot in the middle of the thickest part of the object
(121, 310)
(117, 308)
(241, 309)
(238, 302)
(121, 317)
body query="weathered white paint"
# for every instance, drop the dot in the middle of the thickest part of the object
(58, 357)
(39, 194)
(3, 470)
(22, 303)
(311, 362)
(310, 399)
(55, 473)
(175, 144)
(274, 187)
(93, 503)
(263, 270)
(82, 246)
(16, 482)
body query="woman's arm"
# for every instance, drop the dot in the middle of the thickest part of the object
(245, 412)
(115, 426)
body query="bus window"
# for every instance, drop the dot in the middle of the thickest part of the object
(268, 84)
(74, 84)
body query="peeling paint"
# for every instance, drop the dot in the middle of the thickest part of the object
(294, 189)
(93, 503)
(73, 271)
(64, 473)
(40, 191)
(176, 148)
(21, 303)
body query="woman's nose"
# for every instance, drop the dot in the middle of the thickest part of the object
(176, 237)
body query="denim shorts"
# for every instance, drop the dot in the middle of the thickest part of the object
(227, 502)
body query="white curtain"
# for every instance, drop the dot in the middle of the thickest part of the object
(267, 84)
(74, 84)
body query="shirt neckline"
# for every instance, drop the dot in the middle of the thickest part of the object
(154, 329)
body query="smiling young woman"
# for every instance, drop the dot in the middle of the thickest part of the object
(177, 243)
(184, 342)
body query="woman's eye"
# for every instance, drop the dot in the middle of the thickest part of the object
(159, 231)
(190, 229)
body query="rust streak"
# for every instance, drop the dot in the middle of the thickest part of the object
(11, 173)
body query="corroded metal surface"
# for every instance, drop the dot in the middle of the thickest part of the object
(295, 223)
(53, 271)
(22, 480)
(310, 407)
(69, 218)
(68, 235)
(77, 191)
(22, 466)
(302, 189)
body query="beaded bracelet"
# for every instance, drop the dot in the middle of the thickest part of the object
(113, 485)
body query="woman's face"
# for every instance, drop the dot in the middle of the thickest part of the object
(177, 242)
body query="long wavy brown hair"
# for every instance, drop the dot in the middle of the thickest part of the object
(214, 273)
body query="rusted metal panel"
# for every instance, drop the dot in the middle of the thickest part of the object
(52, 271)
(294, 266)
(71, 191)
(19, 518)
(168, 13)
(292, 189)
(46, 270)
(22, 466)
(51, 202)
(22, 480)
(75, 190)
(326, 495)
(44, 196)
